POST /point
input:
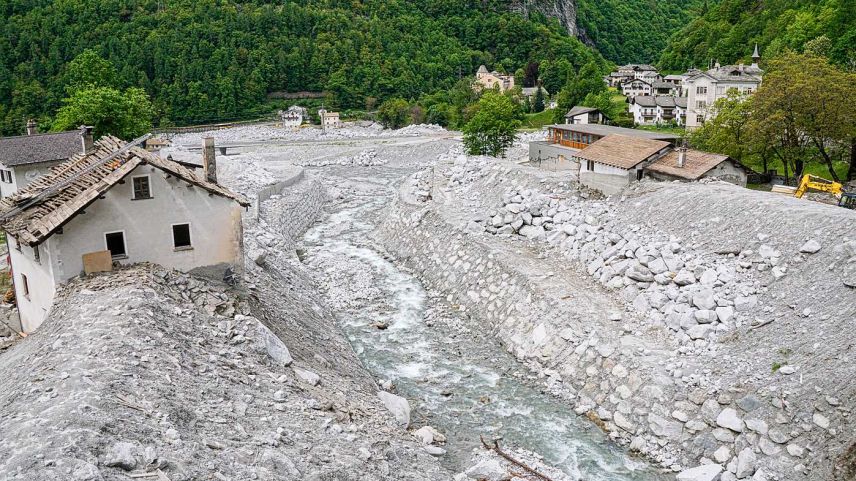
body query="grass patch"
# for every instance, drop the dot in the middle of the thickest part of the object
(538, 120)
(778, 365)
(668, 129)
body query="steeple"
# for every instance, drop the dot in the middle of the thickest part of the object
(756, 57)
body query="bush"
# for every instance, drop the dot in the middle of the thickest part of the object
(394, 113)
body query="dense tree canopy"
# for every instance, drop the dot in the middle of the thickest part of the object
(207, 60)
(729, 30)
(491, 130)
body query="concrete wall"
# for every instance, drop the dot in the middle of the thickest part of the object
(605, 178)
(215, 226)
(275, 188)
(32, 308)
(728, 172)
(553, 157)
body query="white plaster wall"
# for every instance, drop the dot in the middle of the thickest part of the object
(605, 178)
(33, 308)
(23, 175)
(215, 226)
(728, 172)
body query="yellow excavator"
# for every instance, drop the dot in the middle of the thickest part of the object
(813, 182)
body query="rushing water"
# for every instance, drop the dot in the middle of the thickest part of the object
(458, 380)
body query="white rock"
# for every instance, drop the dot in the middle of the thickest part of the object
(795, 450)
(729, 419)
(703, 299)
(820, 420)
(722, 455)
(705, 316)
(308, 377)
(746, 461)
(810, 247)
(489, 469)
(273, 345)
(724, 313)
(398, 406)
(121, 455)
(685, 278)
(706, 472)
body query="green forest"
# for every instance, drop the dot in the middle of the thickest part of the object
(728, 31)
(210, 60)
(634, 31)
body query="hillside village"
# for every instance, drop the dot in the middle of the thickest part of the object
(522, 261)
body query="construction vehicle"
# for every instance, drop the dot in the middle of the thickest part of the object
(814, 182)
(847, 200)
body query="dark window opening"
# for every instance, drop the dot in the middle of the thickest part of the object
(25, 285)
(639, 174)
(116, 244)
(181, 235)
(36, 255)
(590, 165)
(142, 188)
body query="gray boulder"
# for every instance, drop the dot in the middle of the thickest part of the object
(398, 406)
(707, 472)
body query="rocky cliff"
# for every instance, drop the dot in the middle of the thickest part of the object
(565, 11)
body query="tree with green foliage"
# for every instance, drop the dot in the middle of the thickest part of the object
(589, 80)
(492, 128)
(394, 113)
(603, 102)
(125, 114)
(806, 105)
(727, 131)
(88, 70)
(538, 101)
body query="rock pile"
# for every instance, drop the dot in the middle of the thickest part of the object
(421, 184)
(696, 295)
(365, 158)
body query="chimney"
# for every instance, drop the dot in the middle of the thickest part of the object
(682, 156)
(209, 160)
(86, 141)
(32, 127)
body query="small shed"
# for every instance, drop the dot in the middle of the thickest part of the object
(613, 162)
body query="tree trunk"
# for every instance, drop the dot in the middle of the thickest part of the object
(851, 172)
(827, 160)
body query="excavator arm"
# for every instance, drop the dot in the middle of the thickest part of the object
(814, 182)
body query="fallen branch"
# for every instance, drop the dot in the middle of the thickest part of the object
(762, 324)
(513, 461)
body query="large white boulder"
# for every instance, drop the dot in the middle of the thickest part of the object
(398, 406)
(707, 472)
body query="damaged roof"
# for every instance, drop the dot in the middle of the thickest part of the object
(696, 164)
(38, 148)
(622, 151)
(34, 213)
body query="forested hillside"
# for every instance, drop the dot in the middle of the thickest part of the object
(203, 60)
(634, 30)
(728, 31)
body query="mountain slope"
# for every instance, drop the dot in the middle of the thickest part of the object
(729, 31)
(217, 59)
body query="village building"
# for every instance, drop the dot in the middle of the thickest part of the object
(530, 92)
(329, 120)
(585, 115)
(565, 140)
(118, 203)
(613, 162)
(660, 109)
(490, 80)
(703, 89)
(24, 158)
(293, 117)
(634, 87)
(661, 87)
(626, 73)
(688, 165)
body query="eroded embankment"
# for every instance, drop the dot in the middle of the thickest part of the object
(682, 406)
(146, 369)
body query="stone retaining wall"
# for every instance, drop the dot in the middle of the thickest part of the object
(628, 383)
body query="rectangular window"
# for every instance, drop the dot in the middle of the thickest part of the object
(25, 286)
(699, 119)
(181, 236)
(142, 187)
(701, 90)
(6, 176)
(36, 255)
(701, 104)
(590, 165)
(116, 244)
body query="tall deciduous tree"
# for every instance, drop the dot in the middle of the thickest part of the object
(125, 114)
(806, 104)
(394, 113)
(589, 80)
(491, 130)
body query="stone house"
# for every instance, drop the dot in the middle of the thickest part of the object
(703, 89)
(24, 158)
(585, 115)
(118, 203)
(613, 162)
(489, 80)
(329, 120)
(293, 117)
(688, 165)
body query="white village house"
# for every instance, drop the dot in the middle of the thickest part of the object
(26, 157)
(329, 120)
(659, 109)
(705, 88)
(117, 204)
(585, 115)
(293, 117)
(634, 87)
